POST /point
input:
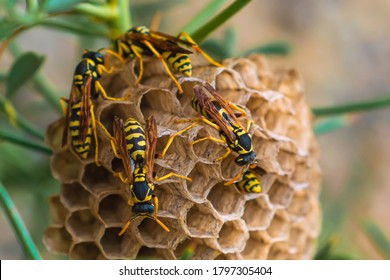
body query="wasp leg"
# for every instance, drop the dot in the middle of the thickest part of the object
(200, 119)
(112, 140)
(170, 139)
(235, 107)
(159, 56)
(63, 106)
(141, 64)
(228, 151)
(104, 94)
(198, 49)
(155, 202)
(172, 174)
(211, 138)
(248, 124)
(234, 179)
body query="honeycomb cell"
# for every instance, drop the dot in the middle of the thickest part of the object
(58, 211)
(248, 72)
(203, 221)
(74, 196)
(85, 251)
(119, 247)
(159, 101)
(53, 137)
(256, 249)
(57, 240)
(83, 226)
(228, 202)
(258, 213)
(152, 235)
(203, 179)
(279, 251)
(280, 194)
(298, 238)
(99, 179)
(114, 210)
(121, 110)
(279, 228)
(232, 237)
(208, 151)
(66, 167)
(300, 205)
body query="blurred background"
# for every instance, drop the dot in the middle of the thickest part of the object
(340, 49)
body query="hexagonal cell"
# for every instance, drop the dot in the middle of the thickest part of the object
(233, 237)
(74, 196)
(53, 137)
(202, 221)
(227, 201)
(159, 100)
(121, 110)
(58, 211)
(286, 161)
(172, 204)
(99, 179)
(146, 253)
(83, 225)
(65, 167)
(57, 240)
(159, 238)
(114, 210)
(279, 251)
(280, 194)
(207, 150)
(279, 228)
(248, 72)
(256, 249)
(203, 179)
(85, 251)
(258, 213)
(119, 247)
(300, 204)
(298, 238)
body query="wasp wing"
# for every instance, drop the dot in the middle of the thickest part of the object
(213, 112)
(85, 109)
(160, 43)
(151, 142)
(74, 97)
(223, 103)
(171, 38)
(121, 146)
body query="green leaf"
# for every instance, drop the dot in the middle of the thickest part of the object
(201, 33)
(273, 48)
(18, 225)
(377, 237)
(21, 71)
(207, 12)
(52, 6)
(229, 41)
(333, 123)
(21, 141)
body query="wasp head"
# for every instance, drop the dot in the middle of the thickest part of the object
(245, 159)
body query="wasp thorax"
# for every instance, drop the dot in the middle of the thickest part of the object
(272, 213)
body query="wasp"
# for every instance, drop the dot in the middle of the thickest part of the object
(136, 148)
(219, 113)
(79, 116)
(139, 41)
(249, 183)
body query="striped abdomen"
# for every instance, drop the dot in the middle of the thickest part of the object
(141, 190)
(80, 145)
(249, 183)
(179, 61)
(135, 140)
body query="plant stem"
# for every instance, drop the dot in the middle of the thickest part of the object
(207, 12)
(122, 22)
(5, 135)
(332, 123)
(32, 6)
(102, 12)
(69, 26)
(218, 20)
(352, 107)
(18, 225)
(22, 122)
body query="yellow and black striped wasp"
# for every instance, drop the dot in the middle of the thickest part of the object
(79, 115)
(248, 183)
(219, 114)
(139, 41)
(136, 148)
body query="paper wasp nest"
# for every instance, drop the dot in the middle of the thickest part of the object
(213, 220)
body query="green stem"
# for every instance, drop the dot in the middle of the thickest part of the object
(333, 123)
(122, 22)
(45, 89)
(32, 6)
(352, 107)
(75, 28)
(102, 12)
(22, 123)
(218, 20)
(5, 135)
(207, 12)
(18, 225)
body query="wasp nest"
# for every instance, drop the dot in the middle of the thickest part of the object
(213, 220)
